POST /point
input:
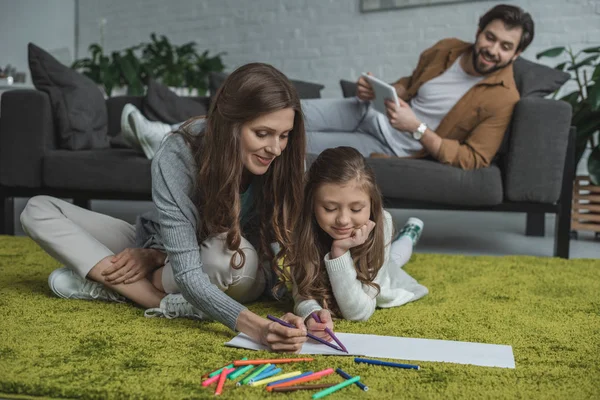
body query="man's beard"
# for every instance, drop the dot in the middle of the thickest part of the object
(476, 54)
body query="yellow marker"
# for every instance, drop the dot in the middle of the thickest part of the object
(276, 378)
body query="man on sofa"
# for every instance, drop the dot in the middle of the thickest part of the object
(455, 107)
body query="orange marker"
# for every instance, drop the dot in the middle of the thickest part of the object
(240, 363)
(222, 378)
(308, 378)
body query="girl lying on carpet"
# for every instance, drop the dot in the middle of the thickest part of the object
(223, 186)
(344, 260)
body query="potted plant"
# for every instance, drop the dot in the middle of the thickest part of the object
(175, 66)
(584, 67)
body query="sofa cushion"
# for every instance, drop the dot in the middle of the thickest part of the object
(348, 88)
(533, 79)
(419, 181)
(77, 102)
(162, 104)
(118, 170)
(306, 90)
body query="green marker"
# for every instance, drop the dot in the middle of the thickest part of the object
(217, 372)
(240, 371)
(335, 388)
(255, 373)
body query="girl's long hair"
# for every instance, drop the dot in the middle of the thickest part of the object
(337, 166)
(249, 92)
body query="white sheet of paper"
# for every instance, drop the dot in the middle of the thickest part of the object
(485, 355)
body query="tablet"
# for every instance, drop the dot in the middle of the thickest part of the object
(382, 92)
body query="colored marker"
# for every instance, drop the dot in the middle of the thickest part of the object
(385, 363)
(303, 387)
(263, 379)
(240, 363)
(240, 371)
(329, 332)
(267, 373)
(290, 379)
(346, 376)
(308, 378)
(256, 372)
(275, 378)
(310, 335)
(218, 371)
(221, 383)
(335, 388)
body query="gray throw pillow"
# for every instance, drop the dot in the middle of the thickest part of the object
(78, 105)
(537, 80)
(164, 105)
(306, 90)
(348, 88)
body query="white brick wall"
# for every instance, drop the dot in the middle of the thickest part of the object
(322, 40)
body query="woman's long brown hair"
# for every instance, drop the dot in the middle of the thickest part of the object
(338, 166)
(249, 92)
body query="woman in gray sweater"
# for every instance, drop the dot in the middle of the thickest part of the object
(226, 191)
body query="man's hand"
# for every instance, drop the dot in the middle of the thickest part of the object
(358, 237)
(318, 329)
(401, 118)
(364, 91)
(133, 264)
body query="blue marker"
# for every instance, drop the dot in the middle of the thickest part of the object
(385, 363)
(346, 376)
(266, 374)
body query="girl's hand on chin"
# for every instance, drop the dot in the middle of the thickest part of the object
(358, 237)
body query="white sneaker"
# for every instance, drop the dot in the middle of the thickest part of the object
(174, 306)
(413, 229)
(68, 285)
(126, 128)
(150, 134)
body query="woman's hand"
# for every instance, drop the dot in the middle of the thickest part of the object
(358, 237)
(133, 264)
(280, 338)
(318, 328)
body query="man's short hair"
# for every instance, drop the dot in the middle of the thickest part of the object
(512, 17)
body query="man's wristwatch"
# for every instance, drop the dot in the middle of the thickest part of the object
(418, 134)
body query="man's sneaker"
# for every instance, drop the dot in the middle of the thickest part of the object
(150, 134)
(413, 229)
(174, 306)
(127, 130)
(68, 285)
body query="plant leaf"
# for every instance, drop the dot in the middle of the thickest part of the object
(592, 50)
(560, 66)
(594, 96)
(553, 52)
(586, 61)
(594, 166)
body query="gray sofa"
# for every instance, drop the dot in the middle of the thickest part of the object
(533, 174)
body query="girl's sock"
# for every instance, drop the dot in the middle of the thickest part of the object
(402, 246)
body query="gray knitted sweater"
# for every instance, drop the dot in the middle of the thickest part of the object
(173, 226)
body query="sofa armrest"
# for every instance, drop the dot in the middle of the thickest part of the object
(537, 150)
(26, 133)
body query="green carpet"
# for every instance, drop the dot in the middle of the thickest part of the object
(547, 309)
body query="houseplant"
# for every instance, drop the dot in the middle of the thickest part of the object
(584, 67)
(172, 65)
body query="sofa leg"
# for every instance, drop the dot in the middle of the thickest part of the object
(83, 203)
(536, 224)
(7, 216)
